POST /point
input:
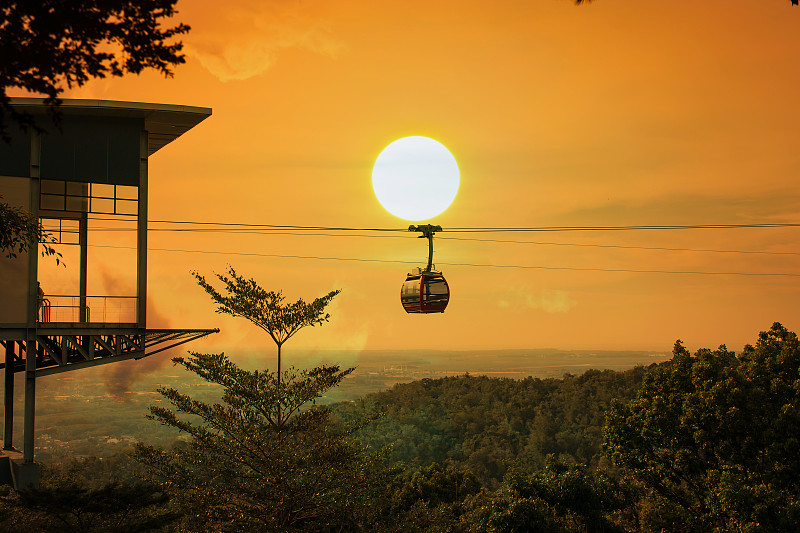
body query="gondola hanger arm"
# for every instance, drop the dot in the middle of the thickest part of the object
(427, 231)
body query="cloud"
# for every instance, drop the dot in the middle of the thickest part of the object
(547, 300)
(550, 301)
(780, 204)
(244, 39)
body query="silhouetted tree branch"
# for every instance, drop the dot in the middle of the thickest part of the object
(50, 45)
(20, 231)
(245, 298)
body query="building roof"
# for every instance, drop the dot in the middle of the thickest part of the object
(164, 122)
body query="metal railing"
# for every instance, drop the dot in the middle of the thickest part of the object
(44, 310)
(98, 309)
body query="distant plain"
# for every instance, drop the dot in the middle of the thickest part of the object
(84, 413)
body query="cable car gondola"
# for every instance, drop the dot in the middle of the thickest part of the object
(425, 291)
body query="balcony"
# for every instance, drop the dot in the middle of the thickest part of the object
(62, 309)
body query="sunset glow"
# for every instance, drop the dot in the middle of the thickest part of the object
(611, 113)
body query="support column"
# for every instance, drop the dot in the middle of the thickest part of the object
(25, 474)
(141, 232)
(33, 251)
(30, 398)
(8, 431)
(33, 308)
(83, 234)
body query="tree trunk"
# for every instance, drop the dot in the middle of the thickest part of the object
(279, 364)
(280, 410)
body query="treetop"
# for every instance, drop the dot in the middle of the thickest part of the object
(244, 297)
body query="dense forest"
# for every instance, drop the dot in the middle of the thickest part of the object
(703, 442)
(486, 425)
(467, 431)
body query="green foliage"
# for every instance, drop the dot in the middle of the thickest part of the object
(505, 511)
(19, 231)
(487, 424)
(560, 497)
(245, 298)
(436, 484)
(714, 438)
(262, 458)
(50, 45)
(430, 499)
(67, 502)
(708, 443)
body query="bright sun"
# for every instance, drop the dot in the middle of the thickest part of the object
(415, 178)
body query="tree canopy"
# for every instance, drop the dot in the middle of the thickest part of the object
(74, 498)
(50, 45)
(263, 458)
(486, 425)
(702, 442)
(714, 437)
(245, 298)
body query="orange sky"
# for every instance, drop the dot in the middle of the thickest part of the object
(617, 112)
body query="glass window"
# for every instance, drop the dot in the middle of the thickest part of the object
(436, 286)
(50, 224)
(102, 190)
(69, 231)
(69, 225)
(436, 291)
(102, 205)
(75, 188)
(51, 201)
(53, 187)
(94, 197)
(127, 207)
(77, 203)
(126, 192)
(410, 291)
(63, 230)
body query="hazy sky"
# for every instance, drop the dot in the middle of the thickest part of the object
(614, 113)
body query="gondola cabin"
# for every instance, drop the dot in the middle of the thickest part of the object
(425, 292)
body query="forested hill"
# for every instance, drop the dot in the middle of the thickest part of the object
(489, 424)
(703, 442)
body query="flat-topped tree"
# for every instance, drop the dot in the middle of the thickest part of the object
(245, 298)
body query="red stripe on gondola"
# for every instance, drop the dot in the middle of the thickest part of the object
(422, 293)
